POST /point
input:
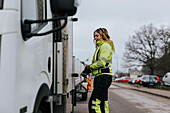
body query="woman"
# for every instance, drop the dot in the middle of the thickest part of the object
(100, 68)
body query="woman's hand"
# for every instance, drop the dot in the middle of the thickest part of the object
(87, 69)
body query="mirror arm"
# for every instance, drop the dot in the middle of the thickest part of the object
(41, 21)
(29, 22)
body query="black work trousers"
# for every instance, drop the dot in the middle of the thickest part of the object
(98, 102)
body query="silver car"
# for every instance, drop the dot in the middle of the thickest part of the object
(148, 80)
(166, 79)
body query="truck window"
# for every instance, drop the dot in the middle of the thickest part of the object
(1, 4)
(34, 10)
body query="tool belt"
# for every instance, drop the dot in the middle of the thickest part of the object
(104, 70)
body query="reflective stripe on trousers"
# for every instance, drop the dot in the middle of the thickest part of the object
(96, 105)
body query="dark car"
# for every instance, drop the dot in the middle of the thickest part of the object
(148, 80)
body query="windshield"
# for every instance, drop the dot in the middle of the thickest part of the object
(148, 77)
(1, 4)
(152, 77)
(145, 77)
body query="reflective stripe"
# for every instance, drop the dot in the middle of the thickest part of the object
(109, 61)
(96, 106)
(105, 60)
(96, 54)
(98, 64)
(106, 107)
(102, 58)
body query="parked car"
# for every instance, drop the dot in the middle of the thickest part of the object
(116, 79)
(134, 81)
(123, 79)
(130, 81)
(137, 80)
(166, 79)
(148, 80)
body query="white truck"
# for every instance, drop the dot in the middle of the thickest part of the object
(37, 70)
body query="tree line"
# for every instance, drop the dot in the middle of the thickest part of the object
(149, 48)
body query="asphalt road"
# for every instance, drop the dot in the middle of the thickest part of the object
(137, 102)
(122, 100)
(117, 104)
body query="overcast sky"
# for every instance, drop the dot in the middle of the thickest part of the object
(121, 18)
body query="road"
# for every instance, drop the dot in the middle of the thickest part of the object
(124, 100)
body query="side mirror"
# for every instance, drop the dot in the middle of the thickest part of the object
(61, 7)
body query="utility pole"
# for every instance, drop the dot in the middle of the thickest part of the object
(117, 63)
(116, 56)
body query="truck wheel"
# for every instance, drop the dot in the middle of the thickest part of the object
(44, 108)
(84, 96)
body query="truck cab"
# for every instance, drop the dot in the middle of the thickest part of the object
(35, 51)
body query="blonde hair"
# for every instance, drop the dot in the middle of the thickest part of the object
(105, 35)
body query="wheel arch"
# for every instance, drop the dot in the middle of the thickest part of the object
(43, 93)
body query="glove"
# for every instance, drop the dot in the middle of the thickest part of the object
(87, 69)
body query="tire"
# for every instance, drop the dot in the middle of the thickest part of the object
(140, 82)
(44, 107)
(84, 96)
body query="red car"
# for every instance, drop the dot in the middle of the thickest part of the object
(157, 79)
(137, 81)
(124, 79)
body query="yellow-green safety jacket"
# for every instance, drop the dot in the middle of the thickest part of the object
(102, 59)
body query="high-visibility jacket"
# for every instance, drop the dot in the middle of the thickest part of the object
(102, 58)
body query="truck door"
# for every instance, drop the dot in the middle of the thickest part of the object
(39, 48)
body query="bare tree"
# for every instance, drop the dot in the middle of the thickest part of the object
(142, 48)
(164, 34)
(163, 63)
